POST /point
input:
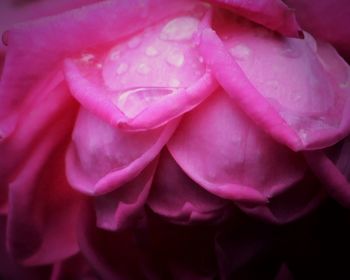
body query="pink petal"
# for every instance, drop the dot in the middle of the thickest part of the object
(146, 80)
(35, 48)
(123, 207)
(333, 169)
(273, 14)
(224, 152)
(43, 209)
(54, 101)
(179, 199)
(314, 109)
(102, 158)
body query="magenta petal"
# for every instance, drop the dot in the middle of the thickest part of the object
(224, 152)
(123, 207)
(179, 199)
(273, 14)
(102, 157)
(314, 109)
(43, 209)
(333, 170)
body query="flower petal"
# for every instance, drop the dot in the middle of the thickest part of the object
(300, 101)
(43, 209)
(224, 152)
(145, 80)
(53, 99)
(123, 207)
(102, 158)
(179, 199)
(35, 48)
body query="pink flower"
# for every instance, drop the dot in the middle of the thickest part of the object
(115, 113)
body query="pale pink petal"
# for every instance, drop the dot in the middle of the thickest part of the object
(303, 98)
(102, 157)
(273, 14)
(177, 198)
(43, 209)
(227, 154)
(123, 208)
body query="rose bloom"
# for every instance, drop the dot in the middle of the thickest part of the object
(174, 139)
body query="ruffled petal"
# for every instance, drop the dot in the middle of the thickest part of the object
(43, 209)
(302, 100)
(179, 199)
(123, 208)
(102, 158)
(273, 14)
(224, 152)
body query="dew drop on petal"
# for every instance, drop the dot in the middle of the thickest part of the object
(176, 58)
(115, 55)
(151, 51)
(179, 29)
(122, 68)
(133, 101)
(134, 42)
(174, 82)
(143, 69)
(87, 57)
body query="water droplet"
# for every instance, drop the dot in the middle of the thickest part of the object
(178, 29)
(143, 69)
(200, 59)
(87, 57)
(133, 101)
(99, 65)
(174, 82)
(122, 68)
(176, 58)
(134, 42)
(115, 55)
(151, 51)
(240, 51)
